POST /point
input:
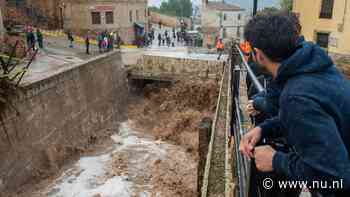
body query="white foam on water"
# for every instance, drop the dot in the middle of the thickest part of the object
(89, 176)
(86, 180)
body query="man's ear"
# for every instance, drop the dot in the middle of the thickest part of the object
(259, 55)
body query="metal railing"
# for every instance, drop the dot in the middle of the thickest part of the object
(240, 68)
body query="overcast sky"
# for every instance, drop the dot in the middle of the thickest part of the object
(248, 4)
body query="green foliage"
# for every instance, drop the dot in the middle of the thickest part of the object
(286, 4)
(268, 10)
(179, 8)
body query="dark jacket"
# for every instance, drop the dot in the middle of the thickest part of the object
(266, 102)
(314, 116)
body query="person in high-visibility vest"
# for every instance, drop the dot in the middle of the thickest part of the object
(220, 48)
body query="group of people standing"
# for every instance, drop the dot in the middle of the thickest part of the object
(169, 38)
(34, 38)
(105, 41)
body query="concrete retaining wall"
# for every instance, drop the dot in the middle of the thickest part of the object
(59, 117)
(167, 67)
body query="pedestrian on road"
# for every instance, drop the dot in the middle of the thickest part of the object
(153, 34)
(168, 41)
(110, 42)
(39, 38)
(99, 41)
(159, 39)
(87, 43)
(105, 43)
(118, 40)
(70, 39)
(220, 48)
(160, 24)
(30, 39)
(163, 40)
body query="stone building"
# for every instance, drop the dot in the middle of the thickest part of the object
(127, 17)
(221, 20)
(326, 22)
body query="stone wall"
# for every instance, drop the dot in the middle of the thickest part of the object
(170, 68)
(59, 117)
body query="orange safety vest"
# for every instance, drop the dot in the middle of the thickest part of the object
(245, 47)
(219, 45)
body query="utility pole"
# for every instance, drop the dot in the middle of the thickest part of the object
(221, 23)
(255, 7)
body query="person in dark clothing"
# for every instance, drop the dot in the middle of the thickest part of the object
(99, 41)
(87, 43)
(163, 40)
(314, 109)
(159, 39)
(40, 38)
(70, 39)
(30, 37)
(168, 41)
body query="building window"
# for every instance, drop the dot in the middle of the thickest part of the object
(322, 39)
(96, 18)
(225, 17)
(137, 15)
(130, 16)
(109, 18)
(327, 9)
(239, 17)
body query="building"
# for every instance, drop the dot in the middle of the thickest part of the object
(327, 23)
(127, 17)
(221, 20)
(40, 13)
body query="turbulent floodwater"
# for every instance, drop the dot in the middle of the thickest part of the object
(134, 166)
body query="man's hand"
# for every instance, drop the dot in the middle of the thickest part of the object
(249, 141)
(263, 158)
(250, 109)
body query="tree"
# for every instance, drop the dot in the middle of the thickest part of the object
(268, 10)
(286, 5)
(179, 8)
